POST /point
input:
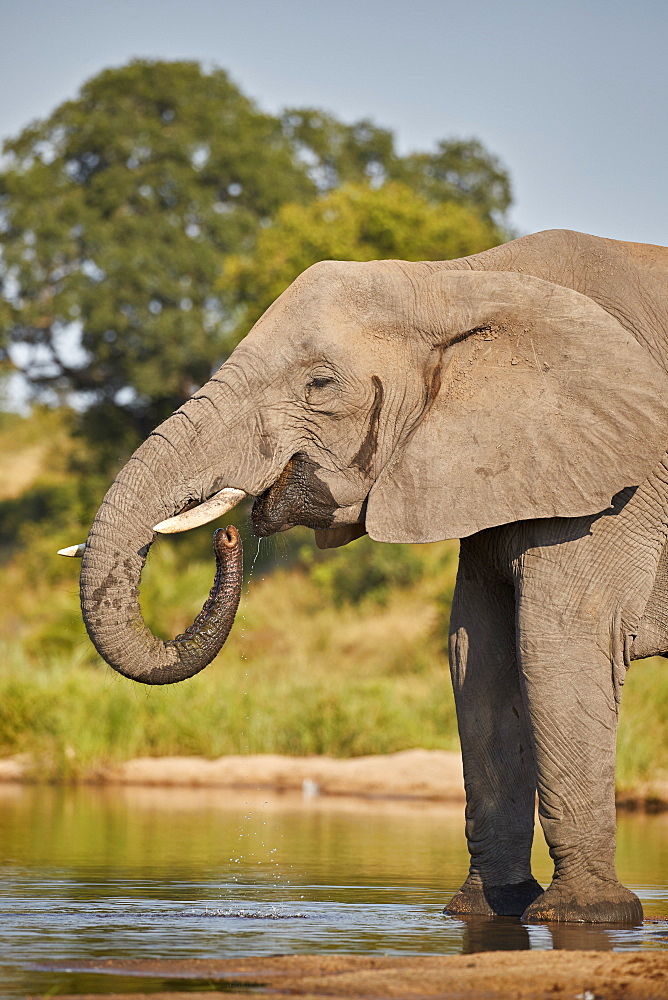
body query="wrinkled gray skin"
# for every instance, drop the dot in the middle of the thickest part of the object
(517, 399)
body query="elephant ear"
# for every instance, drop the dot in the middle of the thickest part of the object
(537, 403)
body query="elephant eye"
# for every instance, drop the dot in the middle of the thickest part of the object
(321, 391)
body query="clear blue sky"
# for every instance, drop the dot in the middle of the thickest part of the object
(571, 95)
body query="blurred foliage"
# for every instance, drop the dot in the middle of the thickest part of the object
(336, 153)
(48, 483)
(642, 740)
(460, 171)
(117, 214)
(372, 572)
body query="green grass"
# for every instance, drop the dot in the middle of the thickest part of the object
(642, 743)
(297, 676)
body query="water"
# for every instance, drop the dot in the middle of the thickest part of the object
(92, 874)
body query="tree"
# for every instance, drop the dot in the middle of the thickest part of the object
(335, 153)
(355, 222)
(115, 214)
(462, 171)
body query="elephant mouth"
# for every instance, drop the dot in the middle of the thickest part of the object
(298, 496)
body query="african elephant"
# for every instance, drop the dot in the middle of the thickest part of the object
(516, 399)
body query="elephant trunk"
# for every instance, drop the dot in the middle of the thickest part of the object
(204, 639)
(167, 473)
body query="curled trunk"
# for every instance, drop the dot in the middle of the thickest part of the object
(166, 474)
(204, 639)
(188, 653)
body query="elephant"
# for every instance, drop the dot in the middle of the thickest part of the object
(515, 399)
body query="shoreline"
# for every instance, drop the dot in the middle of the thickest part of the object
(421, 775)
(493, 975)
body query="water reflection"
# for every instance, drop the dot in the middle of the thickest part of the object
(508, 934)
(494, 934)
(200, 873)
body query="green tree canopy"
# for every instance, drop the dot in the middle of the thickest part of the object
(462, 171)
(120, 212)
(336, 153)
(116, 213)
(355, 222)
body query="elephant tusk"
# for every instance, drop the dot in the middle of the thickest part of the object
(73, 550)
(214, 507)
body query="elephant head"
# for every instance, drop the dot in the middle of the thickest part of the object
(411, 401)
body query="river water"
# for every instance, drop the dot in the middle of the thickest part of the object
(95, 873)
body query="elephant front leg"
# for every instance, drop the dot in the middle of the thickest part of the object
(567, 672)
(499, 770)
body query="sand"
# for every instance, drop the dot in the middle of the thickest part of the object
(419, 774)
(524, 975)
(427, 775)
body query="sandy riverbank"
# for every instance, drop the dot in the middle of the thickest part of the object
(420, 774)
(523, 975)
(434, 775)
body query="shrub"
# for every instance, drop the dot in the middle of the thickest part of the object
(364, 570)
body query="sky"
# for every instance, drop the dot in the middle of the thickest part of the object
(571, 96)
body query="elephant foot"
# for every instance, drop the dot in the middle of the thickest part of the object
(594, 901)
(477, 900)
